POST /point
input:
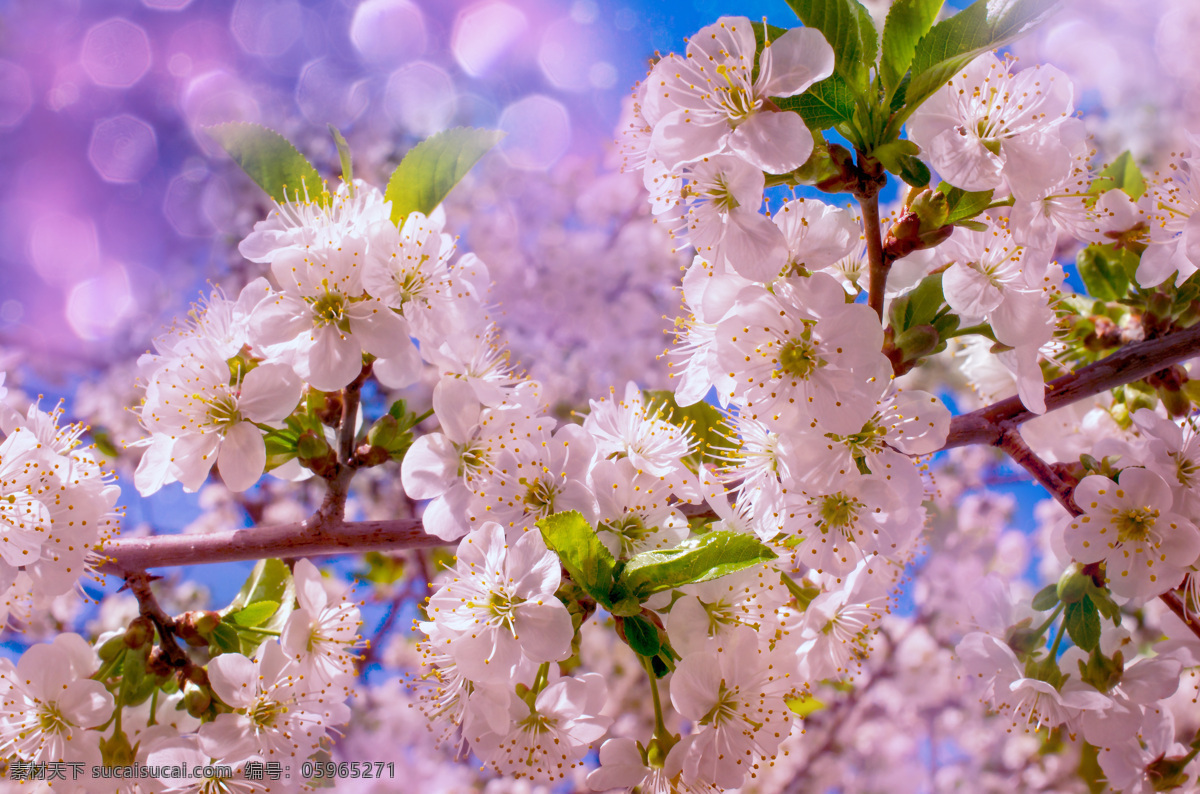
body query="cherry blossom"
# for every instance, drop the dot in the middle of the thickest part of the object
(1145, 546)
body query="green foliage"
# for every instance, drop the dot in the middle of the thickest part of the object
(705, 423)
(825, 104)
(953, 43)
(581, 552)
(848, 28)
(265, 601)
(907, 21)
(1106, 270)
(433, 167)
(255, 614)
(1083, 623)
(963, 204)
(1046, 598)
(708, 557)
(1120, 174)
(918, 306)
(343, 149)
(642, 636)
(271, 161)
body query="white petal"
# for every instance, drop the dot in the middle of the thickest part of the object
(794, 61)
(269, 393)
(775, 142)
(243, 457)
(334, 360)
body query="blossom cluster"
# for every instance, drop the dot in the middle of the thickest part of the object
(57, 508)
(277, 705)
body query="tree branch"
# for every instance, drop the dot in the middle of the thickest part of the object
(127, 556)
(1131, 363)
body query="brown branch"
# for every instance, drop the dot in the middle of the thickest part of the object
(1012, 443)
(130, 555)
(1130, 364)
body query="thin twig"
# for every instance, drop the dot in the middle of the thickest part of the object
(1012, 443)
(148, 607)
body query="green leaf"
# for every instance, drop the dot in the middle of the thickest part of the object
(907, 21)
(270, 581)
(762, 33)
(271, 161)
(1046, 598)
(1120, 174)
(708, 557)
(914, 171)
(1083, 624)
(433, 167)
(918, 306)
(964, 204)
(1105, 271)
(255, 614)
(343, 149)
(225, 639)
(704, 421)
(953, 43)
(848, 28)
(823, 105)
(642, 635)
(581, 552)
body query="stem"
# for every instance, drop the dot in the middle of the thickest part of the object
(875, 259)
(347, 428)
(1062, 627)
(1057, 611)
(660, 725)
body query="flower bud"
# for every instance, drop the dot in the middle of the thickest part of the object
(116, 750)
(1073, 586)
(112, 647)
(140, 632)
(196, 628)
(196, 699)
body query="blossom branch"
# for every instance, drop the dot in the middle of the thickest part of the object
(1011, 442)
(127, 556)
(1127, 365)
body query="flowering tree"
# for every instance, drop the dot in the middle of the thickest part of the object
(700, 584)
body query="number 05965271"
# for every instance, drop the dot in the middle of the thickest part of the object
(317, 770)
